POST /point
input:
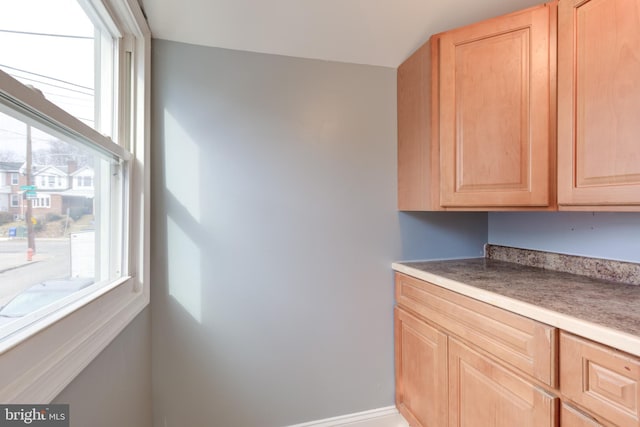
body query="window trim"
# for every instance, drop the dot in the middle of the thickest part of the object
(36, 367)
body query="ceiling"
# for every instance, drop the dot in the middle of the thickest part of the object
(373, 32)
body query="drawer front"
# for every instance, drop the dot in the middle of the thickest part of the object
(483, 393)
(518, 341)
(571, 417)
(600, 379)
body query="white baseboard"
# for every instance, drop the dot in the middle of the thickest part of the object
(382, 417)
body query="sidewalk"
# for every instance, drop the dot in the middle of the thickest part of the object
(16, 257)
(11, 261)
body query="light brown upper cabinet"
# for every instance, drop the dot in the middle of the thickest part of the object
(599, 104)
(476, 116)
(494, 111)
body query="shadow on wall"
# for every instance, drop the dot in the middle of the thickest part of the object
(184, 251)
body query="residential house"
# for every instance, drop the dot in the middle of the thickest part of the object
(59, 189)
(9, 185)
(274, 218)
(79, 197)
(49, 181)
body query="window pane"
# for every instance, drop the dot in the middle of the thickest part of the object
(58, 238)
(51, 45)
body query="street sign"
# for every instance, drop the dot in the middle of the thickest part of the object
(29, 194)
(28, 187)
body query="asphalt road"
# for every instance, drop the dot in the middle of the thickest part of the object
(51, 261)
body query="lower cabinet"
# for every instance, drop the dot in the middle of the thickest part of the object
(440, 381)
(421, 371)
(456, 366)
(601, 379)
(484, 393)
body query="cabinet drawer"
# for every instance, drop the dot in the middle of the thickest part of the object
(483, 393)
(518, 341)
(571, 417)
(602, 380)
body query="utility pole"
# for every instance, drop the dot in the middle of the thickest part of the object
(31, 238)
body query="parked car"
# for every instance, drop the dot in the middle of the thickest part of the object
(41, 295)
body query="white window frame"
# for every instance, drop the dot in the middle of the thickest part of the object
(42, 201)
(15, 178)
(14, 201)
(38, 362)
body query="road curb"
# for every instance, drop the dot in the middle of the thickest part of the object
(15, 267)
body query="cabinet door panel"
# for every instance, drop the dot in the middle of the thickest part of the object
(494, 111)
(421, 371)
(598, 102)
(598, 378)
(483, 393)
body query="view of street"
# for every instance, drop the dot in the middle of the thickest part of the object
(51, 261)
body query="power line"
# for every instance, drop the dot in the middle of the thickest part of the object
(46, 77)
(66, 36)
(76, 98)
(51, 85)
(23, 135)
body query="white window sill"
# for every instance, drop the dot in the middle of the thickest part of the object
(37, 369)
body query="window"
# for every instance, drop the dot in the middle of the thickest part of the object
(14, 179)
(41, 202)
(84, 181)
(62, 38)
(15, 200)
(59, 125)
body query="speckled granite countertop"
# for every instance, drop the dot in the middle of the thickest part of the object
(598, 309)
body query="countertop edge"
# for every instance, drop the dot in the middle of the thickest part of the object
(593, 331)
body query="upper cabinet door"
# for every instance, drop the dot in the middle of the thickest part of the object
(495, 113)
(599, 104)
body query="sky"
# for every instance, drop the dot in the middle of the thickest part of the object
(61, 67)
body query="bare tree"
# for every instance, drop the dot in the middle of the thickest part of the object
(10, 156)
(60, 153)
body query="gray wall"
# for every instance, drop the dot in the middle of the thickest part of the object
(274, 227)
(601, 234)
(115, 389)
